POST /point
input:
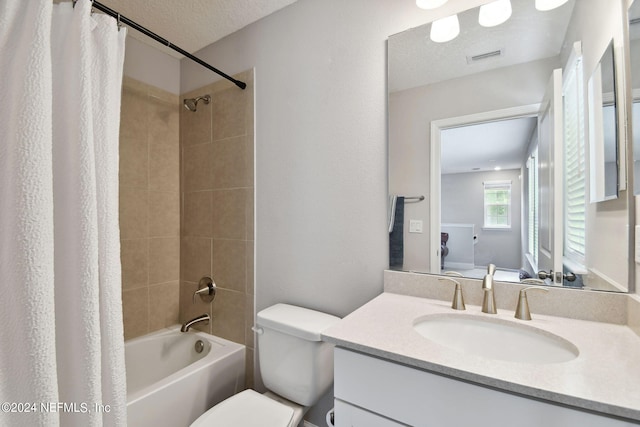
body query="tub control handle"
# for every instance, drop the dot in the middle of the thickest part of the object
(206, 290)
(258, 330)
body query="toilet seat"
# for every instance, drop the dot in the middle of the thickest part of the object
(247, 409)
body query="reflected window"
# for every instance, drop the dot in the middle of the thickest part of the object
(574, 161)
(497, 204)
(532, 209)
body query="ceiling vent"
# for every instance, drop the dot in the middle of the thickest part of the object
(483, 56)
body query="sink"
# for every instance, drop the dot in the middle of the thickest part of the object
(496, 339)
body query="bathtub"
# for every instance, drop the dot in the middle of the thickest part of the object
(170, 384)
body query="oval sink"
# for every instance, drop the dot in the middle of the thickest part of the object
(496, 339)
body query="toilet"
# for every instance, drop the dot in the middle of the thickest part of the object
(296, 368)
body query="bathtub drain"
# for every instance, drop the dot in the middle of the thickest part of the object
(199, 346)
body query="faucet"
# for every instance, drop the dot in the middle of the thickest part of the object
(188, 324)
(489, 300)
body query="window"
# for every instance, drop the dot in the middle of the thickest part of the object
(532, 208)
(497, 204)
(574, 161)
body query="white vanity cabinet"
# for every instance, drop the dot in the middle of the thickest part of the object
(373, 392)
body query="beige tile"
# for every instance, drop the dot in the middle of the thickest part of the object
(230, 163)
(229, 113)
(133, 114)
(133, 213)
(197, 172)
(230, 264)
(164, 259)
(163, 96)
(229, 214)
(134, 258)
(229, 315)
(196, 258)
(164, 214)
(164, 305)
(134, 162)
(195, 127)
(164, 166)
(197, 214)
(164, 123)
(135, 312)
(190, 309)
(250, 288)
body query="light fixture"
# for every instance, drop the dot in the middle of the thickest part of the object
(544, 5)
(430, 4)
(494, 13)
(445, 29)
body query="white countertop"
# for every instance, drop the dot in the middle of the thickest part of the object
(605, 377)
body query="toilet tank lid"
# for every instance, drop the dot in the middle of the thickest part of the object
(296, 321)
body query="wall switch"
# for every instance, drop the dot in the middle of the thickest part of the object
(415, 226)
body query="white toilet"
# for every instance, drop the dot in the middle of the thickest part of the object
(296, 366)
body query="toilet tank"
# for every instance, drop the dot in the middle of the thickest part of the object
(294, 362)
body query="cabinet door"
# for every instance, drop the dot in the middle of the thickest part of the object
(350, 416)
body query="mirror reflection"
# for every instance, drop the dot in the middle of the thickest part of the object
(479, 125)
(603, 141)
(634, 47)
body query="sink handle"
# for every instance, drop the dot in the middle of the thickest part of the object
(458, 300)
(522, 310)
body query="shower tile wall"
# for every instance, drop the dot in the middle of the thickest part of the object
(149, 207)
(217, 210)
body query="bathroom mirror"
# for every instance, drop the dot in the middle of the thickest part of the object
(603, 140)
(456, 111)
(634, 48)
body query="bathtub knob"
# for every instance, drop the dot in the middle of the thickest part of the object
(206, 290)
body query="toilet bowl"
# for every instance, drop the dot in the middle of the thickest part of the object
(296, 368)
(252, 409)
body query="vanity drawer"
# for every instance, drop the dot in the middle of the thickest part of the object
(351, 416)
(422, 399)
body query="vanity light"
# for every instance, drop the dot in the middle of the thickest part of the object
(445, 29)
(544, 5)
(494, 13)
(430, 4)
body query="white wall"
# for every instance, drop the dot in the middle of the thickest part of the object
(147, 64)
(321, 145)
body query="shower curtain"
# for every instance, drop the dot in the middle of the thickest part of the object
(61, 333)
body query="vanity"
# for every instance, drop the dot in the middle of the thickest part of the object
(388, 374)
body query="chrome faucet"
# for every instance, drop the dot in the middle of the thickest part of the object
(188, 324)
(489, 300)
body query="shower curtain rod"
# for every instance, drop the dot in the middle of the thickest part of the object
(128, 22)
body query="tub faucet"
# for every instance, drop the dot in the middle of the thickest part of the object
(189, 323)
(489, 300)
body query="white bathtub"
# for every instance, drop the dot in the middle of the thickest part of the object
(170, 384)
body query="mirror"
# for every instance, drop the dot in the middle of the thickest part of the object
(487, 89)
(603, 141)
(634, 47)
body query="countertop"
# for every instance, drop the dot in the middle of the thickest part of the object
(605, 377)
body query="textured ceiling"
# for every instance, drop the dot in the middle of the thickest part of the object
(193, 24)
(528, 35)
(486, 145)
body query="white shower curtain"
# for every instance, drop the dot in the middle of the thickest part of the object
(61, 333)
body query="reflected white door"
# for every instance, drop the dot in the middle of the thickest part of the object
(550, 178)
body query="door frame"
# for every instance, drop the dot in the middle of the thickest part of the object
(437, 126)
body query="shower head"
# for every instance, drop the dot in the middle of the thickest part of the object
(191, 104)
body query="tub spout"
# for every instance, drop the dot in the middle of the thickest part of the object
(189, 323)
